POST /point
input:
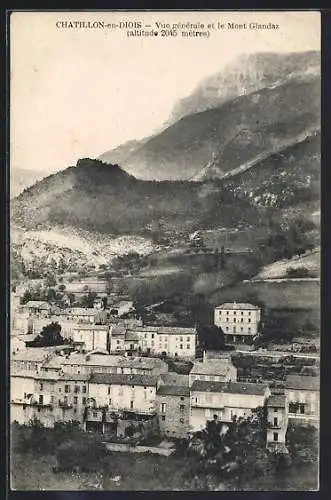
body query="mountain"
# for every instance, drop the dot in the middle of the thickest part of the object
(237, 132)
(99, 197)
(21, 178)
(247, 74)
(254, 107)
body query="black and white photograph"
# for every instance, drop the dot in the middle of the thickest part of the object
(165, 171)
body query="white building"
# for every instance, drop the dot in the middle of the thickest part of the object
(91, 337)
(224, 401)
(303, 395)
(132, 393)
(213, 370)
(171, 340)
(238, 320)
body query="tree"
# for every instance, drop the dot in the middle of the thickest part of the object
(62, 288)
(27, 296)
(49, 336)
(50, 281)
(234, 452)
(88, 300)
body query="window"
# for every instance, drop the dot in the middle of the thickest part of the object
(153, 335)
(234, 329)
(181, 408)
(234, 320)
(188, 346)
(242, 313)
(163, 417)
(65, 400)
(84, 389)
(227, 319)
(52, 399)
(227, 328)
(41, 386)
(108, 390)
(131, 405)
(275, 410)
(275, 436)
(227, 312)
(76, 390)
(132, 387)
(301, 408)
(234, 312)
(109, 402)
(117, 342)
(181, 420)
(182, 398)
(275, 421)
(249, 320)
(163, 407)
(181, 346)
(95, 414)
(67, 388)
(242, 320)
(84, 401)
(249, 330)
(41, 399)
(188, 339)
(75, 400)
(249, 313)
(241, 329)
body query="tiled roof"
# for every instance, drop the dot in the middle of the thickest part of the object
(131, 336)
(238, 305)
(212, 367)
(173, 390)
(229, 387)
(101, 328)
(302, 382)
(80, 311)
(122, 379)
(141, 362)
(102, 360)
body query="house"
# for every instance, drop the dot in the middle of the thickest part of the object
(303, 394)
(72, 396)
(80, 314)
(238, 320)
(117, 338)
(213, 370)
(277, 417)
(121, 308)
(37, 307)
(125, 393)
(173, 405)
(141, 366)
(169, 340)
(29, 360)
(22, 389)
(91, 337)
(224, 401)
(120, 401)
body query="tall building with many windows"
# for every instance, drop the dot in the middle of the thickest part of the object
(238, 320)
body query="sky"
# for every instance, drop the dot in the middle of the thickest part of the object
(77, 93)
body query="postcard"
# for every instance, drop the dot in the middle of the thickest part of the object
(165, 250)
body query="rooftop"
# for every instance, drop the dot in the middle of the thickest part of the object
(172, 378)
(36, 354)
(229, 387)
(122, 379)
(40, 304)
(302, 382)
(277, 400)
(102, 328)
(81, 311)
(173, 390)
(245, 306)
(212, 367)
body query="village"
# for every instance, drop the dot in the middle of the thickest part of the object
(125, 379)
